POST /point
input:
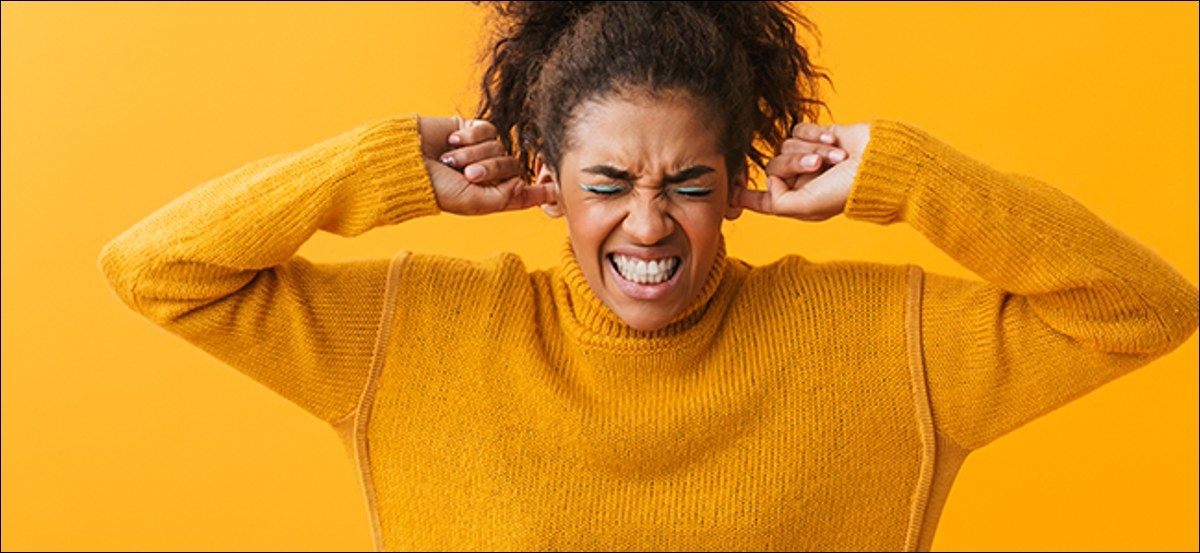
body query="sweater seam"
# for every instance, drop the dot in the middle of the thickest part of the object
(923, 410)
(362, 413)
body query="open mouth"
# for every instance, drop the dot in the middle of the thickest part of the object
(644, 271)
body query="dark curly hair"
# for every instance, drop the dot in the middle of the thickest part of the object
(741, 60)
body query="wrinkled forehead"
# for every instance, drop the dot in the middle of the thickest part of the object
(643, 132)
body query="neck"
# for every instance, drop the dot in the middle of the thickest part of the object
(591, 320)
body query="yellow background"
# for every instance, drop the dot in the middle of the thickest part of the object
(117, 435)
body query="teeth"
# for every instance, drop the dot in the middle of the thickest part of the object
(645, 272)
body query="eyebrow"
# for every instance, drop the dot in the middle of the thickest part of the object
(620, 174)
(688, 174)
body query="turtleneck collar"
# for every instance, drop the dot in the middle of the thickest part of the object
(592, 323)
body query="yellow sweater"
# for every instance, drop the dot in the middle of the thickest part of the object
(793, 406)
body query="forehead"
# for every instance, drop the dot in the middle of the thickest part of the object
(642, 130)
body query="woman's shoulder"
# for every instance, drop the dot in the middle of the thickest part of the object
(795, 291)
(438, 269)
(798, 272)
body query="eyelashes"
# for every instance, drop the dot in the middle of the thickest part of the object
(610, 189)
(693, 191)
(602, 189)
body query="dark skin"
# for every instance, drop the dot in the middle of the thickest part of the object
(809, 180)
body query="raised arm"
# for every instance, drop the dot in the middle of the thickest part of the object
(217, 266)
(1070, 302)
(1067, 302)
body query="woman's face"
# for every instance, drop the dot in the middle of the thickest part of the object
(644, 187)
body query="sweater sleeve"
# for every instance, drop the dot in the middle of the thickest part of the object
(1068, 302)
(218, 266)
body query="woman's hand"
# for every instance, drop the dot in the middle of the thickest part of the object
(470, 171)
(811, 177)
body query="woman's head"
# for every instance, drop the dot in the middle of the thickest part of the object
(740, 60)
(643, 116)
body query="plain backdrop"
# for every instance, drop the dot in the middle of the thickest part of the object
(120, 436)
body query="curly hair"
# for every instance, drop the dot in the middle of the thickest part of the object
(741, 61)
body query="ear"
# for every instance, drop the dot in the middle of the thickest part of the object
(544, 176)
(733, 211)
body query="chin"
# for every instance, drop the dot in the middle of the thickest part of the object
(646, 322)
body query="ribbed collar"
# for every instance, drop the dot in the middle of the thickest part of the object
(591, 323)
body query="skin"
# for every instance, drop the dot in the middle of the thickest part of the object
(643, 178)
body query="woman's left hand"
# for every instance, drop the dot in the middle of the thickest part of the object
(811, 177)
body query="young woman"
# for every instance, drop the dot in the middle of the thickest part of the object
(652, 392)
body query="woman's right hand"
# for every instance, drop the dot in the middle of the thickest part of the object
(471, 172)
(811, 178)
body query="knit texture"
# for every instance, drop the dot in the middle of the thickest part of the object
(510, 409)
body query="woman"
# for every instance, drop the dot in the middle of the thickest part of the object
(651, 392)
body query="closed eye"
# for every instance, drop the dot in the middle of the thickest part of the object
(602, 189)
(694, 191)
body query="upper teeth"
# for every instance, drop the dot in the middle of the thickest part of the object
(645, 272)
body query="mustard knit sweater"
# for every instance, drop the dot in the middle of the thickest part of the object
(793, 406)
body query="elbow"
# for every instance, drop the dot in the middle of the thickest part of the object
(1167, 320)
(1180, 317)
(163, 287)
(1148, 322)
(119, 267)
(124, 267)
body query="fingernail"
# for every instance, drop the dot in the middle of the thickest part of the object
(448, 161)
(810, 160)
(473, 172)
(455, 139)
(827, 138)
(837, 155)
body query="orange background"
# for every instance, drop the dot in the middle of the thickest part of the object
(119, 436)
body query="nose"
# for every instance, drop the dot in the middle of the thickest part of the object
(647, 220)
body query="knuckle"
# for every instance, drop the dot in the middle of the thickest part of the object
(494, 149)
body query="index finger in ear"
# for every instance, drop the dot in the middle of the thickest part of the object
(473, 131)
(754, 200)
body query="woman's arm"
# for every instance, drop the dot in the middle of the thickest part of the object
(1067, 302)
(217, 266)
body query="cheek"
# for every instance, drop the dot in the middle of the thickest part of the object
(591, 224)
(701, 223)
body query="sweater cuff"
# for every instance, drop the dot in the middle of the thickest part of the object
(391, 154)
(896, 153)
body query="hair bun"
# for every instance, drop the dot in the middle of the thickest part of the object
(741, 60)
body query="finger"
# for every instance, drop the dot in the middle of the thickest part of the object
(473, 131)
(494, 170)
(466, 155)
(434, 132)
(754, 200)
(815, 133)
(815, 199)
(793, 146)
(442, 176)
(525, 196)
(790, 166)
